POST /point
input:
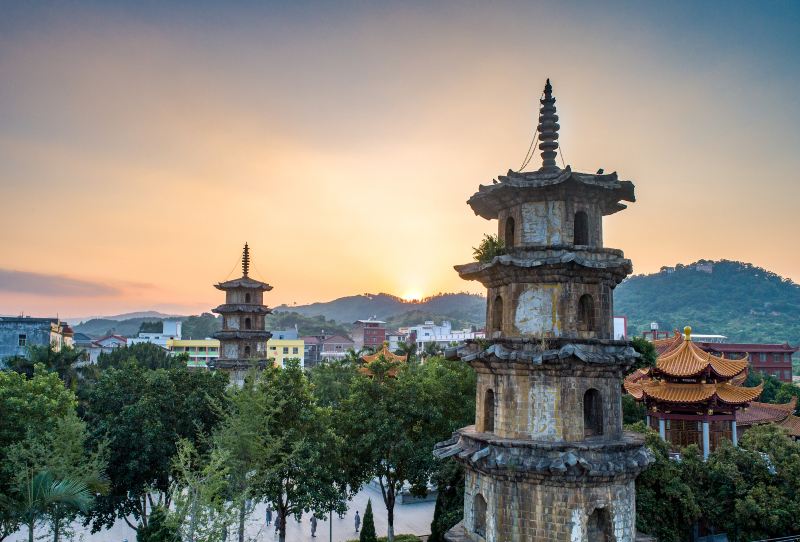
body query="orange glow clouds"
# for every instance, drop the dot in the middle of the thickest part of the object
(139, 150)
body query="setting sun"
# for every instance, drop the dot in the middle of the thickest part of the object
(412, 295)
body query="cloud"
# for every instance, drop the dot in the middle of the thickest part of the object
(53, 285)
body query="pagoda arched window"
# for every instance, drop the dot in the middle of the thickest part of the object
(497, 314)
(488, 411)
(247, 323)
(592, 413)
(479, 514)
(581, 232)
(247, 298)
(586, 313)
(247, 351)
(598, 526)
(509, 236)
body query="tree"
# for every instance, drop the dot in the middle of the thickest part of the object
(62, 452)
(200, 494)
(449, 499)
(243, 437)
(302, 468)
(143, 413)
(200, 327)
(395, 421)
(63, 362)
(489, 247)
(368, 527)
(331, 382)
(41, 492)
(158, 529)
(632, 410)
(408, 349)
(28, 406)
(647, 353)
(153, 326)
(662, 487)
(148, 355)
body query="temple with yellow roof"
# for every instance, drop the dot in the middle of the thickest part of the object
(692, 396)
(385, 355)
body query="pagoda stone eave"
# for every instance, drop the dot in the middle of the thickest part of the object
(230, 308)
(558, 463)
(549, 264)
(243, 282)
(558, 354)
(245, 334)
(519, 188)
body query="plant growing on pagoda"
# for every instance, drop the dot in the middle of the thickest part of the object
(489, 247)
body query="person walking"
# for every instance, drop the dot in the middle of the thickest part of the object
(269, 513)
(358, 521)
(314, 526)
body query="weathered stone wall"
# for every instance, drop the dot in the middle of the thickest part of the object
(522, 511)
(552, 221)
(551, 309)
(543, 405)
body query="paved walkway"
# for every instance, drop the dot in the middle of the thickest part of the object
(408, 518)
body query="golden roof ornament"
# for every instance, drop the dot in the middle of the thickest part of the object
(687, 333)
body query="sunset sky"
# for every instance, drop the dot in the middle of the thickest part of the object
(141, 145)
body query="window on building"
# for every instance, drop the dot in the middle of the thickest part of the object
(247, 298)
(247, 351)
(586, 313)
(295, 350)
(22, 339)
(509, 236)
(488, 411)
(592, 413)
(285, 349)
(762, 357)
(247, 323)
(497, 314)
(581, 229)
(479, 514)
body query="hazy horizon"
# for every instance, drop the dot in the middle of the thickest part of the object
(142, 144)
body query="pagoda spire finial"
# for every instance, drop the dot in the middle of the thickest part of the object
(548, 129)
(245, 260)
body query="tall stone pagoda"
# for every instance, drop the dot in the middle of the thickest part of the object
(547, 459)
(243, 338)
(693, 396)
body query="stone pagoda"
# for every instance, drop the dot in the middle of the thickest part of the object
(243, 338)
(547, 458)
(693, 396)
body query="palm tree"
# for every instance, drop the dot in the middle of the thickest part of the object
(408, 349)
(43, 494)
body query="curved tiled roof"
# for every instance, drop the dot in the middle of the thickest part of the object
(387, 355)
(692, 393)
(243, 282)
(758, 413)
(688, 359)
(664, 346)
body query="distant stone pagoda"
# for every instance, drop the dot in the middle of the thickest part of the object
(547, 458)
(243, 338)
(693, 396)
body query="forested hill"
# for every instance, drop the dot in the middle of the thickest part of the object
(744, 302)
(461, 309)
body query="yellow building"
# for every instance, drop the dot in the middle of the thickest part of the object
(281, 350)
(200, 351)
